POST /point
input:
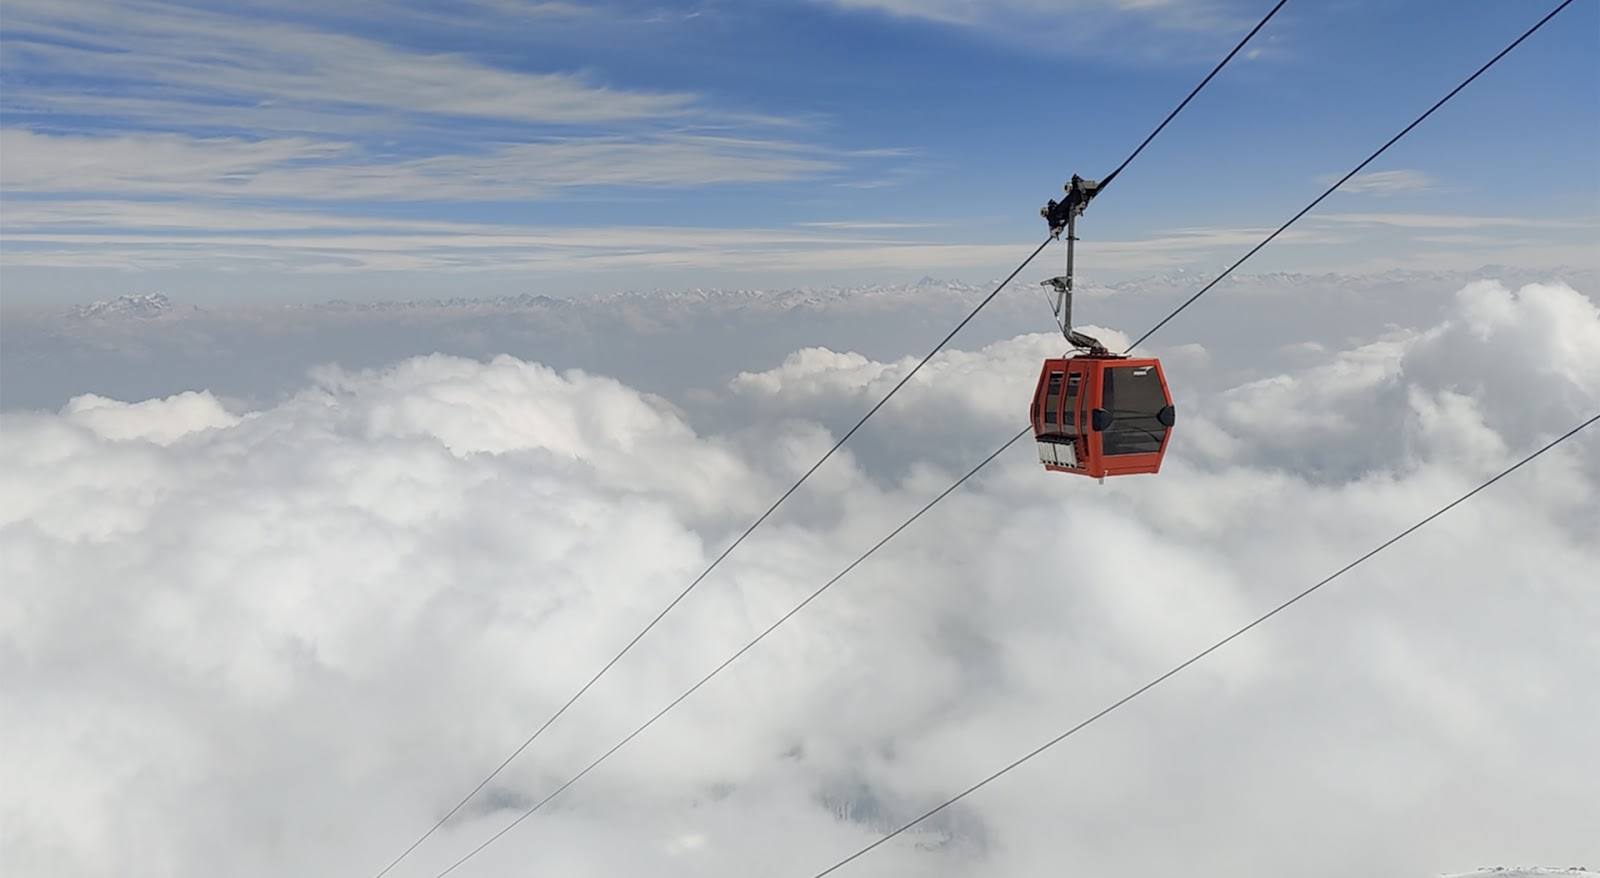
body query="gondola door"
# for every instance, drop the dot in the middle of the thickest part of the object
(1060, 413)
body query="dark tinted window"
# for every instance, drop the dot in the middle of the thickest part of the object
(1132, 394)
(1052, 399)
(1070, 416)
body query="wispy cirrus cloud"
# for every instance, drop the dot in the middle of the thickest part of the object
(866, 225)
(1159, 31)
(1388, 182)
(268, 102)
(148, 234)
(158, 63)
(300, 168)
(1440, 240)
(164, 234)
(294, 107)
(1183, 14)
(306, 137)
(1453, 221)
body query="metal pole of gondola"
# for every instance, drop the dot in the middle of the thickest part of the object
(1064, 295)
(1063, 216)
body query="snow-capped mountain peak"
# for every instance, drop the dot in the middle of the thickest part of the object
(143, 305)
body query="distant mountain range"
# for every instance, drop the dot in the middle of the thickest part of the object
(142, 306)
(147, 306)
(1527, 872)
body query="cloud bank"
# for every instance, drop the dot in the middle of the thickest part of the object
(286, 639)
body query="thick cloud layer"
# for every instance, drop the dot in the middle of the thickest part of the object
(286, 640)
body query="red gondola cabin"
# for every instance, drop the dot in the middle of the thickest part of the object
(1102, 415)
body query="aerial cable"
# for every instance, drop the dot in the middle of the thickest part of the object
(1286, 604)
(1172, 115)
(1063, 216)
(1210, 649)
(1353, 172)
(959, 482)
(735, 657)
(796, 486)
(697, 580)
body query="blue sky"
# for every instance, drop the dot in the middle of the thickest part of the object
(298, 150)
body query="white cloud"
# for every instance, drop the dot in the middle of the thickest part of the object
(1388, 182)
(283, 641)
(160, 421)
(1529, 351)
(1382, 241)
(272, 243)
(283, 77)
(1149, 31)
(204, 103)
(870, 225)
(1094, 14)
(1451, 221)
(161, 234)
(590, 249)
(169, 165)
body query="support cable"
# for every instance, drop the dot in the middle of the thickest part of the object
(735, 657)
(1208, 650)
(1007, 445)
(773, 508)
(704, 573)
(1172, 115)
(1357, 169)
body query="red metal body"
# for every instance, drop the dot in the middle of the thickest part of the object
(1102, 415)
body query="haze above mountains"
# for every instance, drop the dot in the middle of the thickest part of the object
(145, 345)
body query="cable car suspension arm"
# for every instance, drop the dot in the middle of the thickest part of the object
(1063, 216)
